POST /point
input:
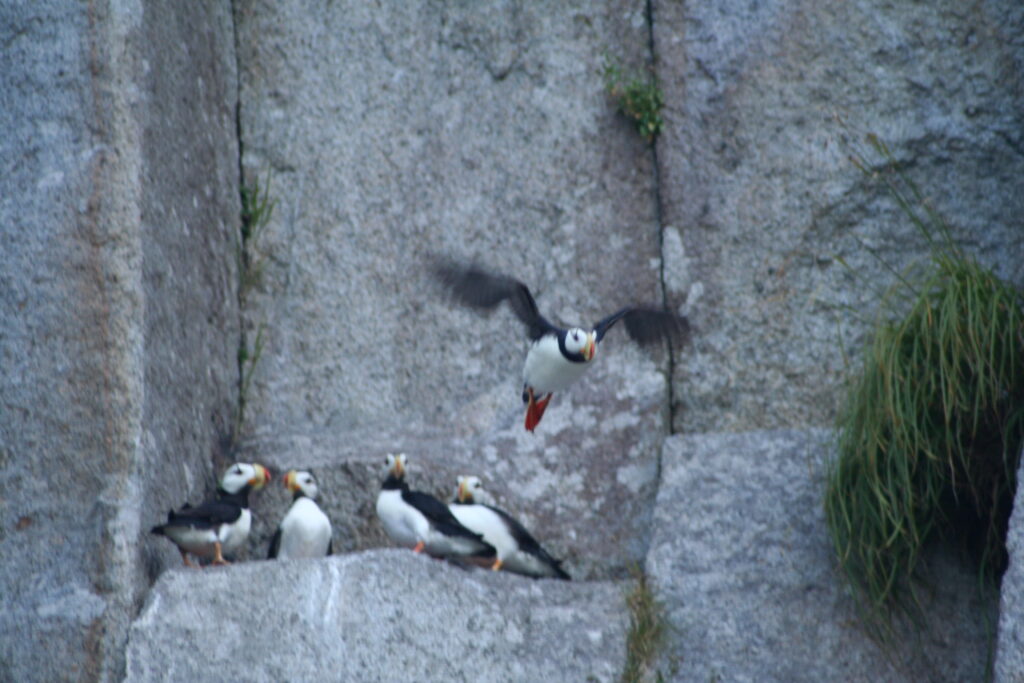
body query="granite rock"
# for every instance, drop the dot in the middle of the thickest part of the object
(118, 214)
(742, 561)
(381, 615)
(776, 244)
(480, 132)
(1009, 666)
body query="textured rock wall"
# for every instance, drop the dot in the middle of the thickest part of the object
(118, 208)
(741, 556)
(777, 241)
(1009, 665)
(480, 131)
(382, 615)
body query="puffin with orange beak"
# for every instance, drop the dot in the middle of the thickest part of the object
(557, 357)
(219, 526)
(517, 550)
(305, 530)
(420, 521)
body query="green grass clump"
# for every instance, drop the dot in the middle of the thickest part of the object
(648, 629)
(638, 98)
(257, 208)
(931, 433)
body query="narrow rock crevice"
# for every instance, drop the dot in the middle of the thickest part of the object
(243, 342)
(659, 219)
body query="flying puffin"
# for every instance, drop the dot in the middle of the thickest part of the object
(517, 550)
(220, 525)
(305, 530)
(557, 357)
(422, 522)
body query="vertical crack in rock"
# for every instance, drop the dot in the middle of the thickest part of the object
(659, 219)
(243, 342)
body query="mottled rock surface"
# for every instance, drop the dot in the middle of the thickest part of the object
(775, 242)
(383, 615)
(118, 210)
(742, 560)
(1009, 667)
(477, 131)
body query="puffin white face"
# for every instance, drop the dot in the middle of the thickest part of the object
(302, 481)
(468, 488)
(241, 474)
(396, 464)
(580, 341)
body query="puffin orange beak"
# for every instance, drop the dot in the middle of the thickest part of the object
(289, 480)
(399, 468)
(462, 492)
(261, 478)
(588, 350)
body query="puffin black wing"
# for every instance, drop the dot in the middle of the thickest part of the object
(528, 543)
(275, 545)
(474, 287)
(210, 514)
(646, 325)
(438, 514)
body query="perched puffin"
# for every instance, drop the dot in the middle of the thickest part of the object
(220, 525)
(557, 357)
(422, 522)
(517, 550)
(305, 530)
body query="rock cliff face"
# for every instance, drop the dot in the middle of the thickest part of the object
(118, 220)
(381, 615)
(480, 130)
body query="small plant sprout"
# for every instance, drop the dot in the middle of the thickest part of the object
(637, 97)
(648, 629)
(257, 209)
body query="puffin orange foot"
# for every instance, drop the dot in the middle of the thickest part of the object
(419, 547)
(217, 557)
(535, 410)
(496, 566)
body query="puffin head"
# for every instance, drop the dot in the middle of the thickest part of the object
(582, 342)
(302, 481)
(395, 464)
(466, 486)
(243, 474)
(471, 490)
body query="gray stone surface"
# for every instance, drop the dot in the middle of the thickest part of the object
(773, 239)
(742, 560)
(384, 615)
(481, 130)
(118, 206)
(1009, 665)
(476, 130)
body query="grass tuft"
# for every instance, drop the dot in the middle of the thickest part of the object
(637, 97)
(931, 431)
(648, 629)
(257, 209)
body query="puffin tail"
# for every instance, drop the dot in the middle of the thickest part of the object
(535, 411)
(159, 529)
(559, 572)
